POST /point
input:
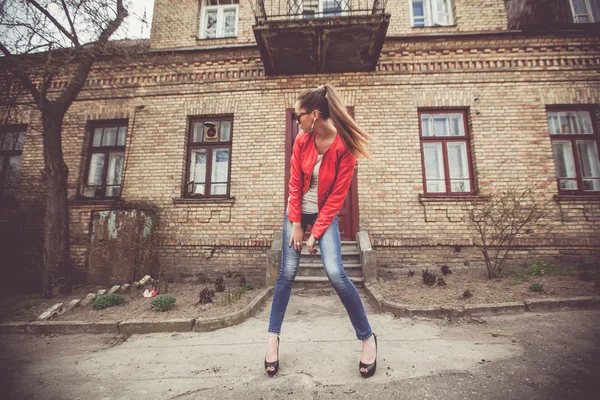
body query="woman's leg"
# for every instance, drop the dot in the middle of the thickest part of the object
(331, 254)
(290, 261)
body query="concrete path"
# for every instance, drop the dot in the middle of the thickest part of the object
(525, 356)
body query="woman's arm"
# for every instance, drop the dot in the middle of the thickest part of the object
(295, 184)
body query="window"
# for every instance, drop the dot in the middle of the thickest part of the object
(431, 12)
(104, 168)
(209, 157)
(585, 11)
(445, 153)
(575, 149)
(12, 138)
(219, 19)
(322, 8)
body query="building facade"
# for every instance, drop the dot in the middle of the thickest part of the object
(462, 97)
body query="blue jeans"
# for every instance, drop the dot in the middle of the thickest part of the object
(331, 254)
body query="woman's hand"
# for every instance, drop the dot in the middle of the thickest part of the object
(310, 245)
(296, 237)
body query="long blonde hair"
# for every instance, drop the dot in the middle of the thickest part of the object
(326, 99)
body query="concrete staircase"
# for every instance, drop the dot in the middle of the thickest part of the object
(358, 259)
(311, 271)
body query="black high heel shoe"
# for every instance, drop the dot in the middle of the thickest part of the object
(274, 364)
(369, 367)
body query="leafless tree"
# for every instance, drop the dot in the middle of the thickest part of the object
(45, 42)
(504, 216)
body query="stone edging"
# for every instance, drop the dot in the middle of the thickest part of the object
(530, 305)
(139, 326)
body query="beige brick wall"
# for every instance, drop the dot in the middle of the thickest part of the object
(176, 23)
(504, 83)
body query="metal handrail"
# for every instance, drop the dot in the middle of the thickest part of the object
(270, 10)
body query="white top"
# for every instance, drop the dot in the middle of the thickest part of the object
(310, 198)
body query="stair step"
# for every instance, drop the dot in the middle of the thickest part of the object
(308, 279)
(320, 265)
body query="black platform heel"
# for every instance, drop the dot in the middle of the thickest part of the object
(369, 367)
(274, 364)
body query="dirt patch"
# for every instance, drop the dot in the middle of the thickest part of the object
(135, 306)
(515, 285)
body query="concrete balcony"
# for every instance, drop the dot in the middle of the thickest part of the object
(320, 36)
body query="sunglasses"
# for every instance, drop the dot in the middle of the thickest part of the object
(300, 115)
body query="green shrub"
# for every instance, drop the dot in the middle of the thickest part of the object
(107, 300)
(539, 268)
(537, 286)
(163, 302)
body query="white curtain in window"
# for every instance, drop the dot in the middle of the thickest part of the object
(220, 171)
(590, 166)
(459, 167)
(96, 169)
(198, 170)
(434, 168)
(564, 164)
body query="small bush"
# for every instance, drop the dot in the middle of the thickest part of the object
(107, 300)
(163, 302)
(537, 286)
(539, 268)
(411, 273)
(467, 293)
(429, 278)
(219, 284)
(248, 286)
(243, 280)
(206, 296)
(446, 270)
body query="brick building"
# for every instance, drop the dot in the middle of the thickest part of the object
(463, 96)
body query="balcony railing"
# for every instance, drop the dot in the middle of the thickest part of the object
(280, 10)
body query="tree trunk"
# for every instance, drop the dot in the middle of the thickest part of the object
(57, 257)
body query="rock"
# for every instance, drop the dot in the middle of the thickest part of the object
(101, 292)
(114, 289)
(88, 299)
(52, 312)
(125, 287)
(73, 303)
(145, 280)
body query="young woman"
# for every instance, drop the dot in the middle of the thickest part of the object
(322, 166)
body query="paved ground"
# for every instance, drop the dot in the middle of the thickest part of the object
(526, 356)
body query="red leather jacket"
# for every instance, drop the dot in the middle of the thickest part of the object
(335, 177)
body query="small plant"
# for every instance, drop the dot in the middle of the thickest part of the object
(206, 296)
(163, 302)
(219, 284)
(248, 286)
(446, 270)
(539, 268)
(107, 300)
(429, 278)
(411, 273)
(243, 281)
(441, 282)
(537, 287)
(467, 294)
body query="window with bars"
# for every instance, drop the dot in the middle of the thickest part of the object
(209, 157)
(219, 19)
(574, 139)
(431, 13)
(12, 138)
(104, 167)
(318, 8)
(585, 11)
(446, 154)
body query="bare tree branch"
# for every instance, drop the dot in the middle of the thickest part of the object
(68, 15)
(54, 21)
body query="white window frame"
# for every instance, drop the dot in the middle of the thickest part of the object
(220, 19)
(589, 13)
(344, 5)
(432, 14)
